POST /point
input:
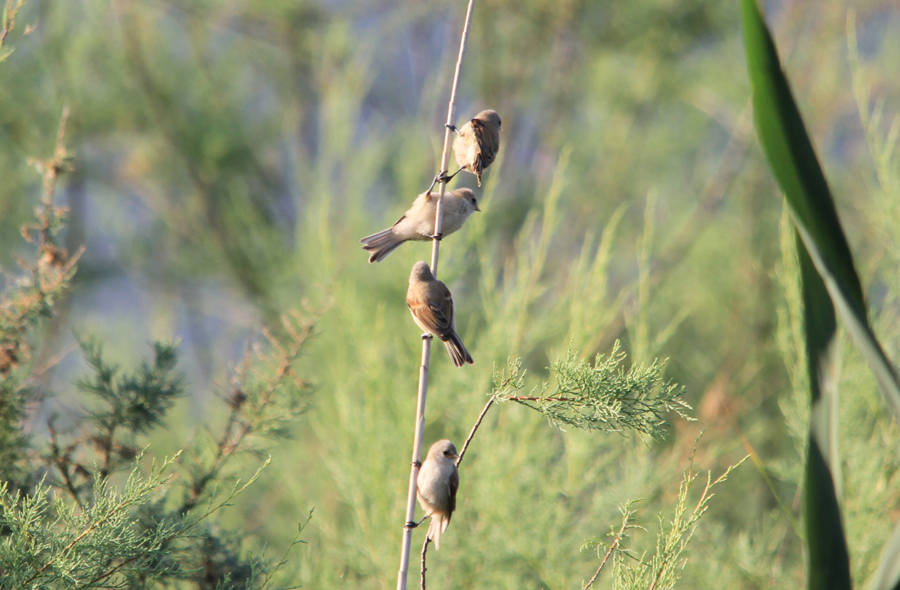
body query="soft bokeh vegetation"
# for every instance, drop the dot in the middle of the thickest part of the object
(229, 154)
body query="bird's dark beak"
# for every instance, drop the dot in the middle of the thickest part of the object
(476, 207)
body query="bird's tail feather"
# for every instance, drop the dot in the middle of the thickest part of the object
(381, 244)
(435, 528)
(458, 353)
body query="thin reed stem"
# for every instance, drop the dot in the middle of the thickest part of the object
(445, 155)
(426, 342)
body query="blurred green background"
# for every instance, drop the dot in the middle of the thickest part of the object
(229, 155)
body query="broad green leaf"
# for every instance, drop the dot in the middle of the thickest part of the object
(826, 269)
(795, 167)
(828, 558)
(828, 563)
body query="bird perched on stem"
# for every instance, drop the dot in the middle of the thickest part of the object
(431, 306)
(418, 222)
(477, 143)
(436, 487)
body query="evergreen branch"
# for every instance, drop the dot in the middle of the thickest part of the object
(283, 560)
(130, 403)
(627, 513)
(49, 275)
(184, 530)
(256, 407)
(8, 23)
(30, 298)
(603, 396)
(119, 536)
(61, 464)
(133, 492)
(535, 398)
(663, 568)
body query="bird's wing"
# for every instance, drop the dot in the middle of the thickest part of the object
(454, 486)
(487, 142)
(446, 305)
(430, 317)
(420, 201)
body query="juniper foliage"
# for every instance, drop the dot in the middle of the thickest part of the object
(81, 505)
(601, 396)
(660, 567)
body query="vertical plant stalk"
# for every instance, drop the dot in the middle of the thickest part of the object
(426, 341)
(445, 156)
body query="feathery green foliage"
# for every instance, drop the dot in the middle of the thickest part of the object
(121, 539)
(603, 396)
(7, 23)
(53, 542)
(81, 509)
(662, 566)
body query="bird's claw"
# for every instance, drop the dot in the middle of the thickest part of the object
(451, 127)
(438, 236)
(410, 525)
(428, 336)
(442, 177)
(445, 178)
(417, 464)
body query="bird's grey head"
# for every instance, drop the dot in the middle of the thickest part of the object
(490, 116)
(467, 195)
(443, 449)
(420, 272)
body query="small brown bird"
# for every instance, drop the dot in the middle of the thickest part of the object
(436, 487)
(477, 143)
(431, 306)
(418, 222)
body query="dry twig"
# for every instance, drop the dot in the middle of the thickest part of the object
(484, 411)
(423, 569)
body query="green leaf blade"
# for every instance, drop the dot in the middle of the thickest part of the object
(794, 164)
(829, 560)
(791, 155)
(827, 274)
